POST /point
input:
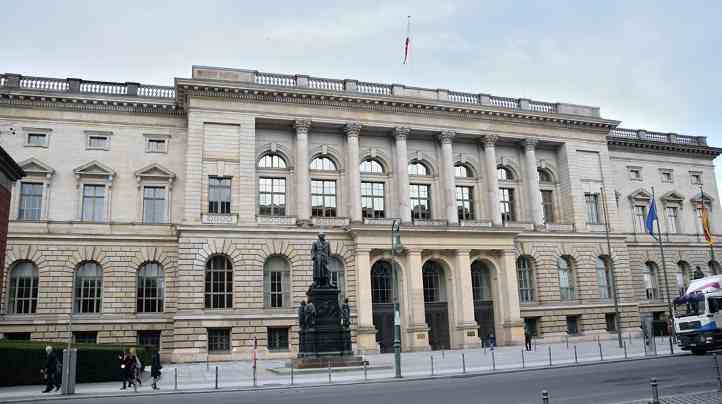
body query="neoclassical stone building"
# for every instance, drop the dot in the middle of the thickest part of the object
(183, 216)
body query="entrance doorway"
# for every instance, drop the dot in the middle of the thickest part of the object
(383, 305)
(435, 305)
(483, 301)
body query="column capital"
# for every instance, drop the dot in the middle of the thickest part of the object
(352, 129)
(529, 143)
(462, 252)
(302, 125)
(401, 133)
(446, 136)
(489, 140)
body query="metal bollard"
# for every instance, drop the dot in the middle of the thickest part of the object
(463, 363)
(545, 397)
(493, 361)
(216, 377)
(175, 378)
(442, 354)
(366, 376)
(523, 363)
(566, 337)
(625, 350)
(291, 375)
(716, 366)
(655, 392)
(329, 372)
(432, 364)
(601, 357)
(550, 356)
(576, 359)
(254, 376)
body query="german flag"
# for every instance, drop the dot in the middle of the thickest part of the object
(704, 216)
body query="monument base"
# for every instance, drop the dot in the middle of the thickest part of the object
(322, 360)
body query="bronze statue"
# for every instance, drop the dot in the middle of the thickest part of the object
(345, 314)
(302, 315)
(698, 274)
(310, 315)
(320, 250)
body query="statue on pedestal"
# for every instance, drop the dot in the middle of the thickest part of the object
(320, 250)
(345, 314)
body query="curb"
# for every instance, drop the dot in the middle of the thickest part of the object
(468, 374)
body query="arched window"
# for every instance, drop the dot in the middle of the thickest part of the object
(543, 175)
(276, 282)
(88, 288)
(418, 168)
(462, 171)
(433, 277)
(603, 278)
(219, 283)
(381, 282)
(23, 288)
(338, 277)
(371, 166)
(323, 164)
(480, 281)
(649, 273)
(504, 173)
(272, 160)
(566, 279)
(151, 286)
(683, 277)
(525, 279)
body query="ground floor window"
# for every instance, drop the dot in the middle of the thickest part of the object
(85, 337)
(17, 336)
(611, 319)
(149, 338)
(278, 339)
(219, 340)
(572, 325)
(531, 325)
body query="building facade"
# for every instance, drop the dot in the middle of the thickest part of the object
(183, 216)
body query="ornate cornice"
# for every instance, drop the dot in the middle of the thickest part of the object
(446, 137)
(352, 129)
(489, 140)
(89, 104)
(657, 147)
(401, 133)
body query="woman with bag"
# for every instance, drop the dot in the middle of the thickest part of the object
(155, 368)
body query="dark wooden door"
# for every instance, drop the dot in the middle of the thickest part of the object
(484, 316)
(437, 318)
(383, 316)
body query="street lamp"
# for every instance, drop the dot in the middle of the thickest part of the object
(396, 247)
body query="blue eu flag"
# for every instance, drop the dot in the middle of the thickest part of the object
(651, 217)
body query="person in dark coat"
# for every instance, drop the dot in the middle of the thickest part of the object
(155, 368)
(51, 371)
(127, 367)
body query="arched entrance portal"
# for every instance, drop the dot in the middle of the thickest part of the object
(435, 305)
(483, 301)
(383, 305)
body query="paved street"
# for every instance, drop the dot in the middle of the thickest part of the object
(601, 383)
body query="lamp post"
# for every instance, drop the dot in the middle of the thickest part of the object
(396, 247)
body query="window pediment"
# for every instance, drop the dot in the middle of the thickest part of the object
(155, 171)
(672, 197)
(35, 167)
(640, 195)
(702, 197)
(94, 168)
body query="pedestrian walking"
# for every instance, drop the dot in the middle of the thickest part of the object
(127, 369)
(52, 373)
(527, 338)
(137, 368)
(492, 341)
(155, 368)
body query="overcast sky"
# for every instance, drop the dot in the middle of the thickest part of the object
(651, 64)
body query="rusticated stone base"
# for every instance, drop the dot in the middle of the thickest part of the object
(323, 361)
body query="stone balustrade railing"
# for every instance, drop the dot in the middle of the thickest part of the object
(640, 134)
(79, 86)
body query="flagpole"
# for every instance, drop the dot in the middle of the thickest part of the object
(664, 272)
(610, 262)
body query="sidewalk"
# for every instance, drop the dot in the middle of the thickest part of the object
(709, 397)
(239, 375)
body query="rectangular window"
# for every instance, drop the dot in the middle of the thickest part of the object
(635, 174)
(672, 223)
(531, 325)
(667, 176)
(154, 205)
(37, 139)
(93, 203)
(149, 338)
(219, 195)
(276, 290)
(592, 207)
(277, 339)
(640, 218)
(272, 196)
(572, 325)
(17, 336)
(323, 198)
(219, 340)
(465, 203)
(372, 200)
(695, 178)
(506, 205)
(547, 206)
(85, 337)
(156, 145)
(98, 142)
(31, 199)
(420, 196)
(611, 320)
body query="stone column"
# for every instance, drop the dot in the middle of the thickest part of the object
(417, 330)
(402, 174)
(365, 332)
(466, 325)
(491, 180)
(449, 186)
(303, 184)
(508, 324)
(535, 208)
(354, 175)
